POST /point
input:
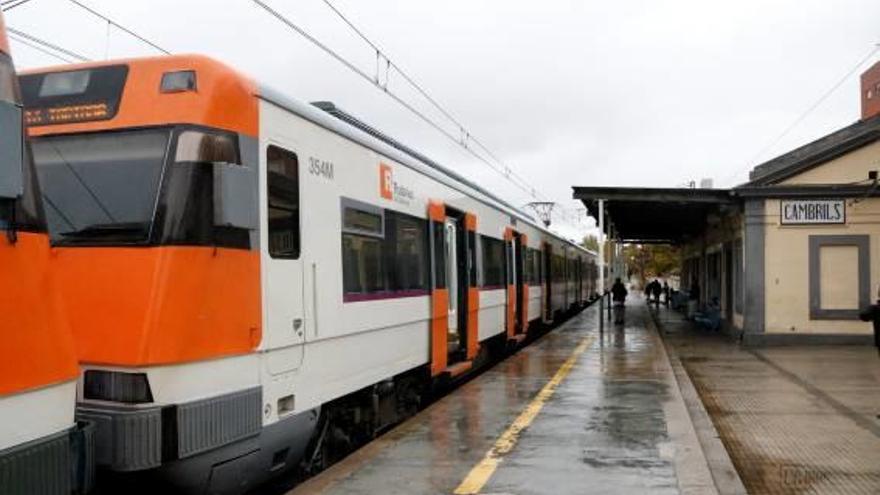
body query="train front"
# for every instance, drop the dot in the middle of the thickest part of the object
(40, 446)
(149, 169)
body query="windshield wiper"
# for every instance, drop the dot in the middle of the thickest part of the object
(99, 229)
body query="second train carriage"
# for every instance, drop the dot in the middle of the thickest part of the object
(249, 278)
(42, 449)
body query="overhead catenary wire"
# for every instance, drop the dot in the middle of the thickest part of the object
(466, 135)
(39, 48)
(11, 4)
(806, 113)
(409, 107)
(47, 45)
(500, 168)
(119, 26)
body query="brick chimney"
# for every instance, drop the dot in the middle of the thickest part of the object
(871, 92)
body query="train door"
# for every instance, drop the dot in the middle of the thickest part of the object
(453, 292)
(581, 288)
(549, 275)
(514, 248)
(566, 279)
(282, 267)
(454, 337)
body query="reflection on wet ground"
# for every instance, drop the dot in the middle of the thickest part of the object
(794, 419)
(605, 430)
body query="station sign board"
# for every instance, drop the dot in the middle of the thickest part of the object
(812, 211)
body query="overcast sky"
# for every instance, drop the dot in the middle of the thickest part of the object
(640, 93)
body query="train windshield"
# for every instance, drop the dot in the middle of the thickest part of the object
(101, 188)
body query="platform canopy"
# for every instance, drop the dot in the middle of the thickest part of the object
(648, 215)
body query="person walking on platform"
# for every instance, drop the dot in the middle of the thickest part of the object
(666, 293)
(618, 296)
(872, 314)
(656, 289)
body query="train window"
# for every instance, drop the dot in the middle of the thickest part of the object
(492, 251)
(363, 264)
(364, 222)
(527, 266)
(410, 253)
(206, 147)
(472, 259)
(438, 231)
(65, 83)
(73, 96)
(102, 187)
(382, 250)
(282, 170)
(536, 267)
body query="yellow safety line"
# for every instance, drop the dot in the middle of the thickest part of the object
(480, 474)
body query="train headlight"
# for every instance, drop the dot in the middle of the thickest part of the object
(116, 386)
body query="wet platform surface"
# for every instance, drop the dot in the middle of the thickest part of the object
(614, 423)
(793, 419)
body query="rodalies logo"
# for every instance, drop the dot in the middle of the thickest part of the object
(391, 190)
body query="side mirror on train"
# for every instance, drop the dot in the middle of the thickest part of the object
(235, 196)
(11, 151)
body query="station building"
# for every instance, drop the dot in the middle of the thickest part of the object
(790, 256)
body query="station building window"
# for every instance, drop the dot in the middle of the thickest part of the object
(282, 169)
(839, 276)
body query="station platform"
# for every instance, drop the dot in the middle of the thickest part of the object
(579, 411)
(794, 419)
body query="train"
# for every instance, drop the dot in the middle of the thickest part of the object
(43, 449)
(255, 284)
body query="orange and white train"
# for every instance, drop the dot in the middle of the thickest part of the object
(254, 283)
(42, 450)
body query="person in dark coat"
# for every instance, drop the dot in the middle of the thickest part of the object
(618, 291)
(666, 293)
(656, 289)
(872, 314)
(618, 296)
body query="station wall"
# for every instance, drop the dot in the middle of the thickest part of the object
(817, 276)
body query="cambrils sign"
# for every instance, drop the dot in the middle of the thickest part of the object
(812, 211)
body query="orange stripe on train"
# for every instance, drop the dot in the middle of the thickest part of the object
(37, 348)
(162, 305)
(224, 98)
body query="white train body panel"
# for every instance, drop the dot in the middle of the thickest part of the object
(346, 346)
(26, 416)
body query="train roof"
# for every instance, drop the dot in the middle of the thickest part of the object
(328, 115)
(218, 81)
